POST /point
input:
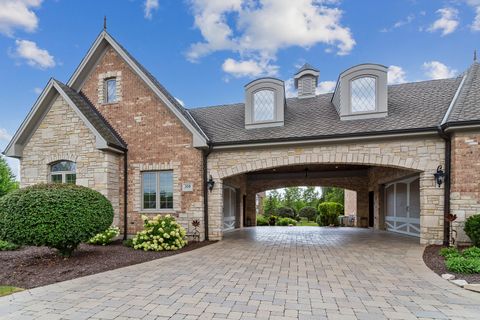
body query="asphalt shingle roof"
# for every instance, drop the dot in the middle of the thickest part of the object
(94, 117)
(467, 106)
(411, 106)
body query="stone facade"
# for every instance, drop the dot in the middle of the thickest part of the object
(156, 139)
(350, 203)
(465, 179)
(63, 135)
(416, 155)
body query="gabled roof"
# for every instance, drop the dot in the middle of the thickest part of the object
(106, 137)
(95, 53)
(307, 66)
(466, 107)
(412, 107)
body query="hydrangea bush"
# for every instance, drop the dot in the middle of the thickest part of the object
(105, 237)
(160, 233)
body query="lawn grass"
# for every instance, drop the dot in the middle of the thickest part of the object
(6, 290)
(306, 223)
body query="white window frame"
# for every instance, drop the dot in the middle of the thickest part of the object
(105, 93)
(157, 192)
(63, 174)
(375, 94)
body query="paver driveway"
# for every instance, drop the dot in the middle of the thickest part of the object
(263, 273)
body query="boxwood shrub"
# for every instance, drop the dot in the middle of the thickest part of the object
(286, 212)
(328, 213)
(262, 220)
(472, 229)
(286, 222)
(59, 216)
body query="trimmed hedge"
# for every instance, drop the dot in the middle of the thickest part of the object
(328, 213)
(59, 216)
(262, 220)
(472, 229)
(310, 213)
(286, 222)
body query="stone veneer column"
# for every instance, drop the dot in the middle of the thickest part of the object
(431, 208)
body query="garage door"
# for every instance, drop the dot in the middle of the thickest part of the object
(229, 208)
(402, 206)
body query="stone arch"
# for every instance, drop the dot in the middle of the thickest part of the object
(327, 158)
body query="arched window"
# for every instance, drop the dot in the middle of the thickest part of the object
(363, 95)
(264, 105)
(63, 172)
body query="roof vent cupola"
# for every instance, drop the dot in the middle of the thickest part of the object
(306, 80)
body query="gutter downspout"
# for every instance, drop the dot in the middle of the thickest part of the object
(125, 194)
(447, 185)
(206, 153)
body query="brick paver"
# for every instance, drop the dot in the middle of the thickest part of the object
(263, 273)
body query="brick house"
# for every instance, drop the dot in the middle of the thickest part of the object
(113, 127)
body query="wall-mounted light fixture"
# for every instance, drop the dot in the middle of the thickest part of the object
(439, 176)
(210, 184)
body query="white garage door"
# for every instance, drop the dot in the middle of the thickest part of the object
(229, 207)
(402, 206)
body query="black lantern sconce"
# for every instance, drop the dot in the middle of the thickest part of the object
(439, 176)
(210, 184)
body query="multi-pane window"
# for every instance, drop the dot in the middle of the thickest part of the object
(157, 190)
(111, 90)
(63, 172)
(363, 94)
(264, 105)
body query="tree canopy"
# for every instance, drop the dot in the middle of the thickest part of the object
(7, 178)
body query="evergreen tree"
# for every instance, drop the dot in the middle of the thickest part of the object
(271, 202)
(7, 178)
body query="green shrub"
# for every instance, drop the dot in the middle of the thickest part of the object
(8, 246)
(463, 265)
(128, 243)
(286, 222)
(286, 212)
(472, 229)
(105, 237)
(328, 213)
(449, 252)
(310, 213)
(472, 252)
(160, 233)
(59, 216)
(262, 220)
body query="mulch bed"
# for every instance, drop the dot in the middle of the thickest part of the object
(31, 267)
(436, 262)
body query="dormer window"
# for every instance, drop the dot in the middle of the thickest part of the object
(363, 94)
(264, 103)
(111, 90)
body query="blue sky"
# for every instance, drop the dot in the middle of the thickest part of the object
(204, 51)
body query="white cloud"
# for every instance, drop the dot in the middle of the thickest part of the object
(18, 14)
(447, 23)
(248, 68)
(37, 90)
(475, 26)
(4, 135)
(150, 6)
(396, 75)
(35, 56)
(400, 23)
(326, 87)
(437, 70)
(240, 26)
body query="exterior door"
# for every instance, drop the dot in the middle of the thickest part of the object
(229, 207)
(402, 206)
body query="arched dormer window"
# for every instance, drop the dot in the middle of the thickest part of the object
(63, 172)
(363, 96)
(264, 103)
(362, 92)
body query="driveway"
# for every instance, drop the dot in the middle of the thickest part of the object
(263, 273)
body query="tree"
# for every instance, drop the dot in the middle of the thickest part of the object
(332, 194)
(293, 198)
(310, 197)
(7, 178)
(271, 202)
